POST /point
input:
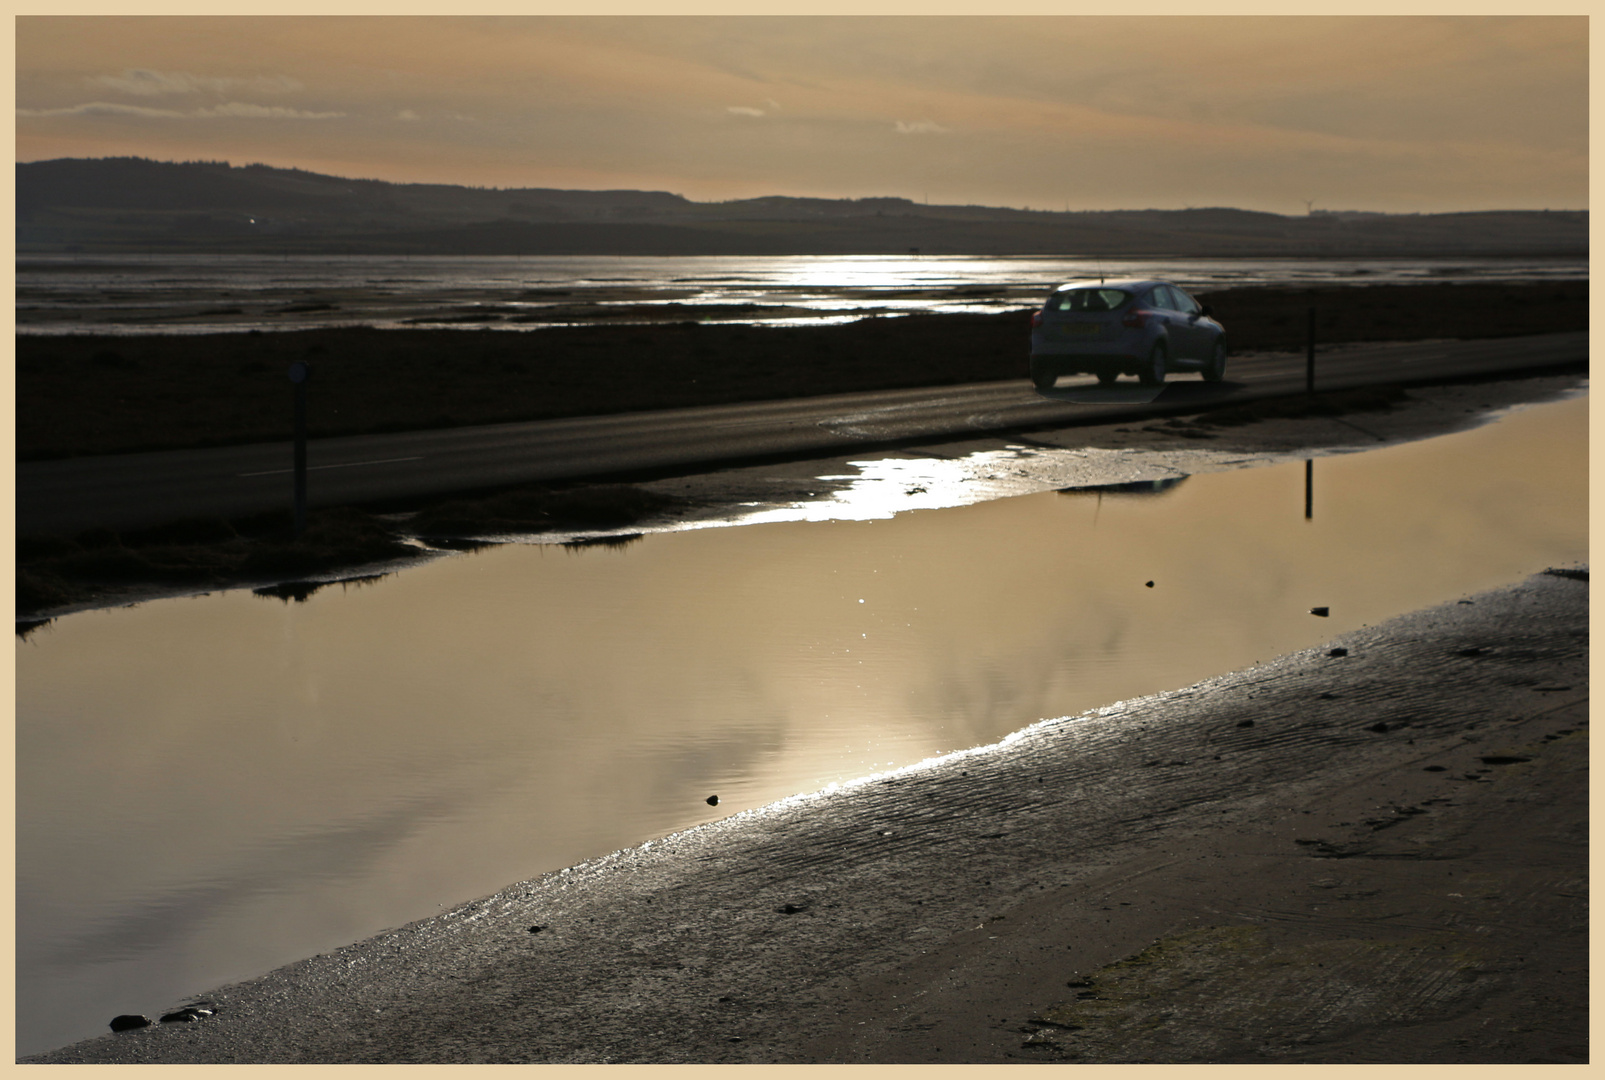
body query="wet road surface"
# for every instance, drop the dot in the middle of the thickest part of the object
(133, 490)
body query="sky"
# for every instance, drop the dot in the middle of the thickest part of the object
(1280, 114)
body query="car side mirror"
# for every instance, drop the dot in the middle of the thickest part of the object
(1207, 312)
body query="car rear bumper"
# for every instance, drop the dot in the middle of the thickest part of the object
(1074, 363)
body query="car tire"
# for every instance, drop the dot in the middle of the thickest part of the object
(1043, 380)
(1107, 378)
(1215, 370)
(1154, 373)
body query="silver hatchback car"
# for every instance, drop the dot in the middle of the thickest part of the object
(1144, 328)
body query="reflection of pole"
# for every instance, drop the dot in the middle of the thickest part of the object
(299, 373)
(1309, 362)
(1309, 488)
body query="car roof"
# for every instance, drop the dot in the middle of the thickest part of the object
(1132, 284)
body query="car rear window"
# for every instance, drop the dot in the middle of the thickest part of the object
(1088, 300)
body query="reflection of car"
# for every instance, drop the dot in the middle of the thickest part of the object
(1142, 328)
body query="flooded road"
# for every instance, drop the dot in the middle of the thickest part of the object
(213, 786)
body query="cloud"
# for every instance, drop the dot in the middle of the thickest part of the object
(145, 82)
(266, 112)
(744, 110)
(103, 108)
(921, 127)
(229, 109)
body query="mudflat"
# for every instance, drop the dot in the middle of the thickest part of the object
(1372, 851)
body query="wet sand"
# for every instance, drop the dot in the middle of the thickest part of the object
(1372, 851)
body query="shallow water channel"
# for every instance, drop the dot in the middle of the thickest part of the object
(213, 786)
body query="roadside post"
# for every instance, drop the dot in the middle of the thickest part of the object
(1309, 363)
(299, 374)
(1309, 488)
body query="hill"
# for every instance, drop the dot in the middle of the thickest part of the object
(128, 205)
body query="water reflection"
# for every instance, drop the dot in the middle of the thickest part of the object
(190, 294)
(618, 541)
(210, 787)
(300, 591)
(1132, 487)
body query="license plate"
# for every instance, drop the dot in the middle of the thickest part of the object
(1082, 329)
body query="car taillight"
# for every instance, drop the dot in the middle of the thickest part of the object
(1133, 320)
(1036, 318)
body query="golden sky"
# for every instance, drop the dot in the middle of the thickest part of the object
(1435, 113)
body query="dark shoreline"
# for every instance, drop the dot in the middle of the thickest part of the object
(88, 394)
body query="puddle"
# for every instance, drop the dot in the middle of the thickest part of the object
(213, 786)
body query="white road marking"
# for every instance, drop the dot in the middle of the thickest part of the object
(343, 465)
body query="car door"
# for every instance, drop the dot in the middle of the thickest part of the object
(1166, 303)
(1190, 338)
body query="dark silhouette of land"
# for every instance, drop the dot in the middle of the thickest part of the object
(110, 205)
(102, 394)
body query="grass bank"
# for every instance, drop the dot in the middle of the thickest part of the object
(106, 394)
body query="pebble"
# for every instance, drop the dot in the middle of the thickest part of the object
(713, 800)
(129, 1021)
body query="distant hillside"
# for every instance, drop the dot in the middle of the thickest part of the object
(137, 205)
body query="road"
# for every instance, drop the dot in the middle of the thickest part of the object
(136, 490)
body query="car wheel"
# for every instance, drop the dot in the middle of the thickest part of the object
(1215, 370)
(1154, 373)
(1043, 380)
(1107, 378)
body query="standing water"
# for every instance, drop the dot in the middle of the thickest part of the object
(210, 787)
(144, 294)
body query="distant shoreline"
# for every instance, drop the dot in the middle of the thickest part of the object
(129, 204)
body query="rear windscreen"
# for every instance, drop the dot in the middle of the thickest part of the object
(1088, 300)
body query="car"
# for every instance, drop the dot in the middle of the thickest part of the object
(1140, 327)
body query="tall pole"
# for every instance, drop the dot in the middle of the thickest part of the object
(299, 373)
